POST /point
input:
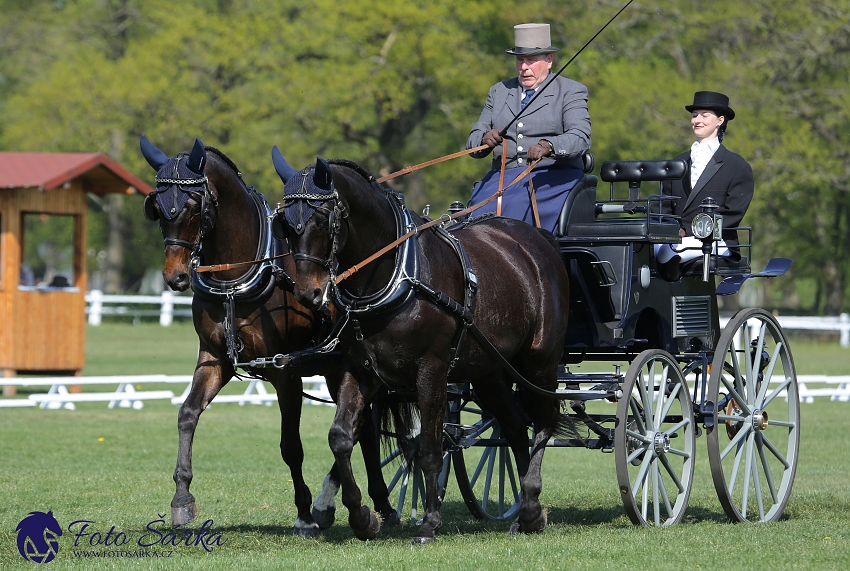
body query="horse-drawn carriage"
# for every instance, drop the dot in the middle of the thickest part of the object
(687, 374)
(435, 309)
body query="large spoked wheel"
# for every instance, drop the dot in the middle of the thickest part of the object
(654, 442)
(484, 467)
(406, 481)
(754, 443)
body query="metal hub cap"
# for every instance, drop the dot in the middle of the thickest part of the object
(661, 443)
(760, 419)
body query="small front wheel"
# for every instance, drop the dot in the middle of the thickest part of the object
(654, 442)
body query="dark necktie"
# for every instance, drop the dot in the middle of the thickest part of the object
(529, 93)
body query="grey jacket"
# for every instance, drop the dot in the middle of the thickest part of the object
(558, 115)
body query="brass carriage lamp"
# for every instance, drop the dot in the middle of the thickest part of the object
(708, 227)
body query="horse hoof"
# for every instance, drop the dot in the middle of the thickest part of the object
(184, 514)
(535, 525)
(419, 540)
(309, 530)
(324, 518)
(371, 530)
(392, 520)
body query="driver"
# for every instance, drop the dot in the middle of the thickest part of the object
(555, 127)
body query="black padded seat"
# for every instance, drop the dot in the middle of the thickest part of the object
(634, 229)
(580, 205)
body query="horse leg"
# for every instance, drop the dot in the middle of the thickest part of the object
(497, 398)
(288, 388)
(371, 449)
(324, 508)
(544, 411)
(345, 431)
(431, 389)
(206, 383)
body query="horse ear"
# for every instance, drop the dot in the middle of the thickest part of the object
(284, 171)
(154, 156)
(197, 158)
(322, 177)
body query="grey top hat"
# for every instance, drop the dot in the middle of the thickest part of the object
(532, 39)
(712, 101)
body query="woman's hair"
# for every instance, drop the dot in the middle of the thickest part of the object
(721, 131)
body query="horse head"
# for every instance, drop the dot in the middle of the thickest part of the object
(311, 220)
(183, 204)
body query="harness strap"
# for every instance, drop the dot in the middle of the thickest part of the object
(447, 302)
(183, 243)
(232, 341)
(533, 201)
(225, 267)
(502, 178)
(407, 170)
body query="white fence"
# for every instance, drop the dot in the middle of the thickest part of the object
(99, 305)
(126, 395)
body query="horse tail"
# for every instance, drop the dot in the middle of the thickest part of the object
(398, 424)
(567, 426)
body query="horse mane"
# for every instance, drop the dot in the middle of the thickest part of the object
(355, 167)
(226, 160)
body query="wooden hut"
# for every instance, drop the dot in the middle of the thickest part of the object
(42, 317)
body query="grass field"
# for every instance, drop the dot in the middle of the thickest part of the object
(113, 467)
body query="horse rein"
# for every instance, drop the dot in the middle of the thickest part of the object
(442, 219)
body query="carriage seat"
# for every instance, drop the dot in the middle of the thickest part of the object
(579, 213)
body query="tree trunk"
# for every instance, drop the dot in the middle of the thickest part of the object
(114, 245)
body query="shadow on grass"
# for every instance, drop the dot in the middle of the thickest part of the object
(458, 521)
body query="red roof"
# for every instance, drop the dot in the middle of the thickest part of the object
(47, 171)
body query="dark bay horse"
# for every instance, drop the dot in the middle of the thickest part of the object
(208, 215)
(400, 333)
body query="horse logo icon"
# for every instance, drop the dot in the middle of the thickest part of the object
(38, 537)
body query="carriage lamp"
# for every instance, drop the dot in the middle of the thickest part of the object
(708, 227)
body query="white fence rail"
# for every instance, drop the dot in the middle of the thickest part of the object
(127, 396)
(99, 304)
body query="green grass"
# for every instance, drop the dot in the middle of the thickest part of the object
(56, 460)
(147, 348)
(114, 467)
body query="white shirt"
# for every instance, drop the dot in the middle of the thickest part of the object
(701, 153)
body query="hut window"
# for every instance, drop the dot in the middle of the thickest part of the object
(47, 251)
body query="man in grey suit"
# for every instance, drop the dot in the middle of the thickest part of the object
(555, 127)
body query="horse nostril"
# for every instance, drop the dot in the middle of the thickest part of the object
(317, 297)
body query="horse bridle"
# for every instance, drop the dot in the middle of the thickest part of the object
(208, 212)
(335, 217)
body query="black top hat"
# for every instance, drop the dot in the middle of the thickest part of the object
(712, 101)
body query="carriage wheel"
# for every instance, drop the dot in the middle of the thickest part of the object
(754, 443)
(484, 467)
(654, 442)
(406, 480)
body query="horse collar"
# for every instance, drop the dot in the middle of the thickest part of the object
(398, 290)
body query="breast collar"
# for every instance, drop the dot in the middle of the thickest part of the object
(399, 289)
(255, 282)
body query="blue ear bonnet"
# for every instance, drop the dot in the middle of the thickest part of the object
(299, 210)
(175, 182)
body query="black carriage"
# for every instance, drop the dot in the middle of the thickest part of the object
(686, 375)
